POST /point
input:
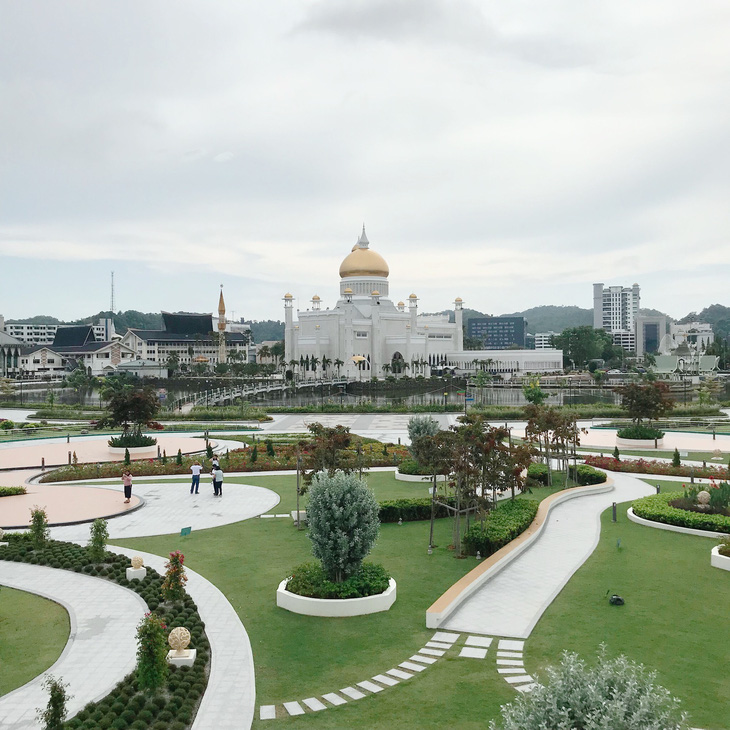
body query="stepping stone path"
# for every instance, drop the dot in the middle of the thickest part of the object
(440, 643)
(510, 665)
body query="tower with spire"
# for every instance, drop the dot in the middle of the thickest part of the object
(222, 356)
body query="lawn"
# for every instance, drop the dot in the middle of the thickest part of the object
(43, 625)
(674, 621)
(667, 623)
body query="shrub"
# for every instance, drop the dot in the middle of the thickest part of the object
(127, 457)
(310, 580)
(675, 458)
(616, 454)
(254, 453)
(178, 457)
(538, 472)
(11, 491)
(39, 527)
(98, 535)
(151, 652)
(412, 509)
(656, 507)
(724, 547)
(638, 431)
(173, 588)
(208, 449)
(410, 466)
(131, 441)
(617, 693)
(270, 448)
(585, 474)
(502, 525)
(55, 713)
(343, 523)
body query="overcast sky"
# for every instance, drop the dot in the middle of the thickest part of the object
(511, 153)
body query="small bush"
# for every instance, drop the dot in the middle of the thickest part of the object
(131, 441)
(502, 525)
(12, 491)
(310, 580)
(411, 466)
(55, 713)
(98, 535)
(538, 472)
(39, 527)
(151, 652)
(640, 432)
(585, 474)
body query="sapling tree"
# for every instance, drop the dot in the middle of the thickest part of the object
(151, 652)
(39, 531)
(54, 715)
(98, 535)
(343, 523)
(173, 587)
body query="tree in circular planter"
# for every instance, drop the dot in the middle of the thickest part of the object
(641, 401)
(343, 523)
(132, 409)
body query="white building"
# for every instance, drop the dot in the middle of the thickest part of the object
(544, 340)
(96, 358)
(615, 309)
(365, 333)
(10, 349)
(44, 333)
(699, 334)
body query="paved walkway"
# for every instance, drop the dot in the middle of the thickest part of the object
(511, 603)
(228, 702)
(102, 645)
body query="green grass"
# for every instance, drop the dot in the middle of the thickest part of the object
(33, 632)
(674, 620)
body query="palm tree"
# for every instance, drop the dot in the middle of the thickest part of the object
(387, 367)
(338, 364)
(313, 362)
(326, 362)
(264, 353)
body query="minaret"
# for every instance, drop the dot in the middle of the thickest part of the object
(459, 319)
(289, 345)
(221, 328)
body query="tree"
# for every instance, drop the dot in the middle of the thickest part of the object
(39, 531)
(533, 392)
(151, 652)
(264, 353)
(617, 693)
(581, 344)
(132, 409)
(54, 715)
(422, 426)
(343, 523)
(646, 401)
(173, 587)
(327, 450)
(338, 364)
(173, 362)
(98, 535)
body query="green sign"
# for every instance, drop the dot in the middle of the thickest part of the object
(185, 531)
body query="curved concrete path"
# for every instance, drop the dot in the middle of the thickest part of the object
(229, 699)
(102, 646)
(512, 602)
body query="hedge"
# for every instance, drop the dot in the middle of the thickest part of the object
(502, 525)
(412, 509)
(11, 491)
(585, 475)
(410, 466)
(656, 507)
(175, 706)
(538, 472)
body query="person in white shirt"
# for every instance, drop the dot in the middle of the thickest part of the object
(196, 469)
(218, 482)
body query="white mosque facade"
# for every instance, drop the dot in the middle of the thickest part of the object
(366, 335)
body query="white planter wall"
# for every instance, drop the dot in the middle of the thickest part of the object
(719, 561)
(639, 443)
(422, 479)
(332, 607)
(135, 450)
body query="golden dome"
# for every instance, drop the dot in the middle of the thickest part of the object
(401, 304)
(458, 299)
(288, 296)
(413, 296)
(315, 298)
(362, 261)
(348, 290)
(374, 293)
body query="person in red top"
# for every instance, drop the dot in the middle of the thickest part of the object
(127, 482)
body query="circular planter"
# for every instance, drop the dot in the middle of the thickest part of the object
(331, 607)
(135, 450)
(421, 478)
(719, 561)
(639, 443)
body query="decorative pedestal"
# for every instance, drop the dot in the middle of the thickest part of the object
(136, 573)
(3, 544)
(184, 658)
(302, 515)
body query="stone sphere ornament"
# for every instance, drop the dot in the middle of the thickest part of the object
(137, 562)
(179, 639)
(703, 498)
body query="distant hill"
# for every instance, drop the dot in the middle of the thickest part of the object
(550, 318)
(38, 319)
(267, 329)
(126, 320)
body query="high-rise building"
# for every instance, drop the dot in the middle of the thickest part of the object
(498, 333)
(615, 309)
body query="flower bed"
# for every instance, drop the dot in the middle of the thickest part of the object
(336, 608)
(310, 580)
(126, 706)
(657, 507)
(660, 468)
(285, 457)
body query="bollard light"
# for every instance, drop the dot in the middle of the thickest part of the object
(613, 507)
(479, 555)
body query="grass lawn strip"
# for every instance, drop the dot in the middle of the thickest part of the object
(33, 633)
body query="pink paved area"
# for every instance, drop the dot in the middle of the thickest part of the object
(65, 503)
(87, 449)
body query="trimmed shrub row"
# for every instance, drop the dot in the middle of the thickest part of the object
(656, 507)
(640, 432)
(502, 525)
(410, 466)
(585, 475)
(412, 509)
(126, 706)
(11, 491)
(309, 580)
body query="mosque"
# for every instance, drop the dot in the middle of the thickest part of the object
(366, 335)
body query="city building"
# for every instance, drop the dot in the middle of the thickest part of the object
(697, 334)
(615, 309)
(10, 349)
(193, 339)
(364, 334)
(73, 347)
(41, 333)
(544, 340)
(650, 331)
(497, 333)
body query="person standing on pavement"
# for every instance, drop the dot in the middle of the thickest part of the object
(195, 469)
(127, 482)
(218, 482)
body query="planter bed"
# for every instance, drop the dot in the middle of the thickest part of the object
(335, 607)
(639, 443)
(719, 561)
(134, 450)
(656, 508)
